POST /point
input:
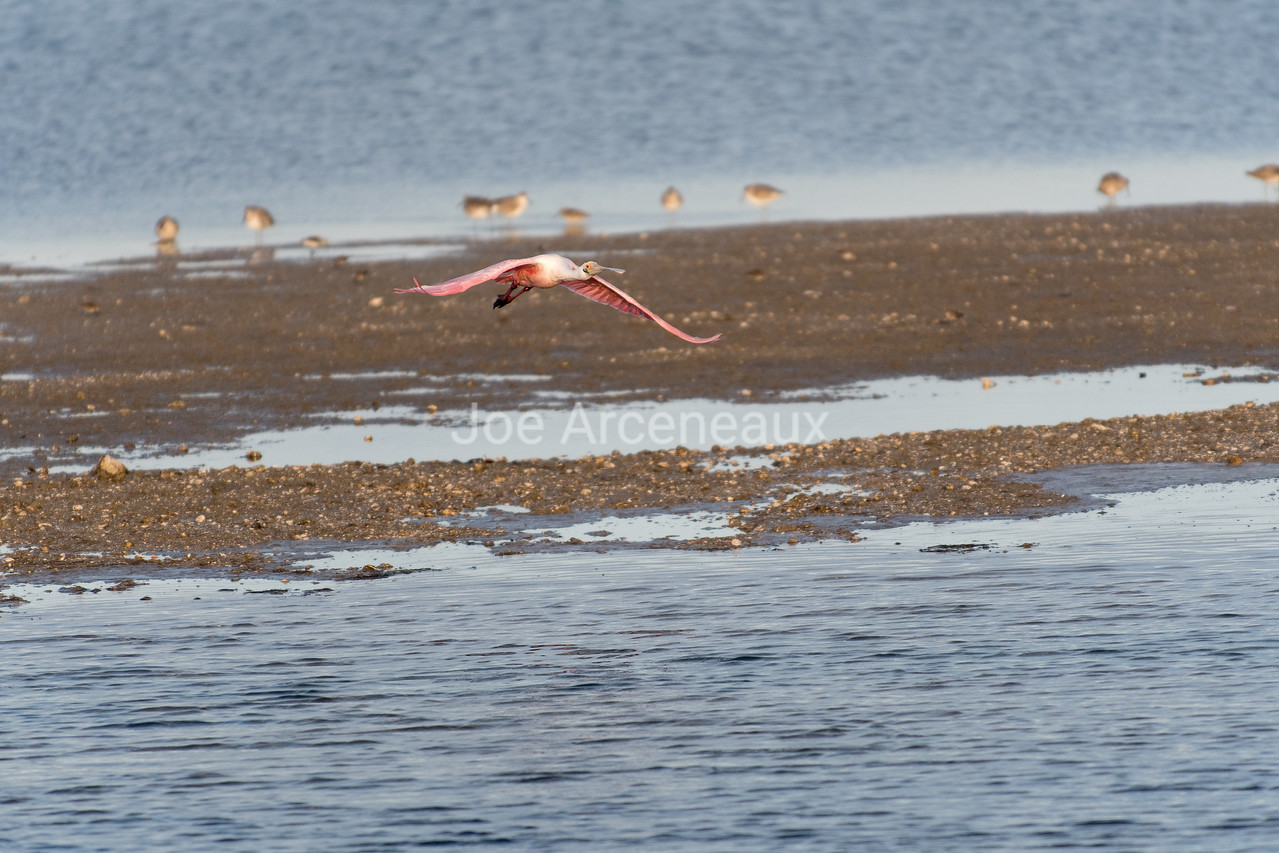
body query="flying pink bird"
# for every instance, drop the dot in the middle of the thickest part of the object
(545, 271)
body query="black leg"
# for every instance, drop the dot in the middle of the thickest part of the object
(507, 298)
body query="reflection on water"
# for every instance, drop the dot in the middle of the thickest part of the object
(1104, 679)
(920, 403)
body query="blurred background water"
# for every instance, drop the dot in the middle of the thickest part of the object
(371, 119)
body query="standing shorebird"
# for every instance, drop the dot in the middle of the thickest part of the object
(258, 218)
(166, 228)
(1111, 184)
(1268, 175)
(672, 200)
(761, 195)
(573, 218)
(477, 206)
(546, 271)
(511, 206)
(315, 241)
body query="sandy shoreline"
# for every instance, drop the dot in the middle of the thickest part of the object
(156, 358)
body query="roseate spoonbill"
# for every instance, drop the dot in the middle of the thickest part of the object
(258, 218)
(672, 200)
(1268, 175)
(761, 195)
(545, 271)
(1111, 184)
(477, 206)
(511, 206)
(166, 229)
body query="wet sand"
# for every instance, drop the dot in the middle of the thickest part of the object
(155, 358)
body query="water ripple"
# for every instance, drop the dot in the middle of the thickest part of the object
(827, 696)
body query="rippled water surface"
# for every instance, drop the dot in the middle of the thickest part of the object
(1104, 679)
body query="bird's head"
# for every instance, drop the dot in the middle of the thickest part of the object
(590, 268)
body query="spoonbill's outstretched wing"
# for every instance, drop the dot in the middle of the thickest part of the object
(598, 290)
(464, 282)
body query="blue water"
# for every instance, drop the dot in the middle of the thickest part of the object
(1111, 687)
(371, 119)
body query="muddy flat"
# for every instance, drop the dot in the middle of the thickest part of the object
(188, 352)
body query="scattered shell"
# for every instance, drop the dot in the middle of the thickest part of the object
(109, 468)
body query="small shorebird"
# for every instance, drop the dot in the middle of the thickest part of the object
(1112, 183)
(258, 218)
(511, 206)
(672, 200)
(573, 218)
(1268, 175)
(477, 206)
(546, 271)
(315, 241)
(166, 228)
(761, 195)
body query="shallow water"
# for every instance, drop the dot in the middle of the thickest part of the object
(1110, 686)
(921, 403)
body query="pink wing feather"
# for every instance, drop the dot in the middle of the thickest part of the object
(465, 282)
(597, 289)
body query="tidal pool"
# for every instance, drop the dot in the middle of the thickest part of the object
(395, 433)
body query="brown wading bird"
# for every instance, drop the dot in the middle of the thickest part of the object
(546, 271)
(477, 206)
(672, 200)
(166, 229)
(1268, 175)
(1112, 183)
(761, 195)
(573, 215)
(258, 218)
(511, 206)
